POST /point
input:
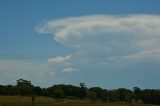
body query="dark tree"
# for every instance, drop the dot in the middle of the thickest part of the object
(92, 96)
(37, 91)
(24, 87)
(104, 95)
(137, 93)
(124, 94)
(83, 90)
(97, 91)
(58, 94)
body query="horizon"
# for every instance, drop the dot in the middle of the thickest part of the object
(80, 86)
(108, 43)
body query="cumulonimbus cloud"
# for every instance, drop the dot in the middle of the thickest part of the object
(104, 38)
(101, 42)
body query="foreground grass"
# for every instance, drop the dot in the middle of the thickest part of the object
(45, 101)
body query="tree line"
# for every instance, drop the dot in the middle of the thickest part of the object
(61, 91)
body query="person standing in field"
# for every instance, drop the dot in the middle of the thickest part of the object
(33, 99)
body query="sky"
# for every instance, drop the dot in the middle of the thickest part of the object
(106, 43)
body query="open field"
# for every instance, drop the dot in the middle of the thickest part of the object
(44, 101)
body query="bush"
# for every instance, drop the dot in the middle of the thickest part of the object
(92, 96)
(58, 94)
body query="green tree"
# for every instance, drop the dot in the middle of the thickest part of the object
(97, 91)
(37, 91)
(104, 95)
(24, 87)
(83, 90)
(92, 96)
(137, 92)
(58, 94)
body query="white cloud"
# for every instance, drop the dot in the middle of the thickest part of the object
(104, 39)
(70, 69)
(145, 54)
(79, 27)
(59, 59)
(101, 42)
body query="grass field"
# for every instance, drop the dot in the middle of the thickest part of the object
(45, 101)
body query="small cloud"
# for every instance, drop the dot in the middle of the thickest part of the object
(70, 69)
(59, 59)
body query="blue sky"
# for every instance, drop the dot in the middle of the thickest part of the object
(105, 43)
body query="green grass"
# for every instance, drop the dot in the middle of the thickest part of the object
(45, 101)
